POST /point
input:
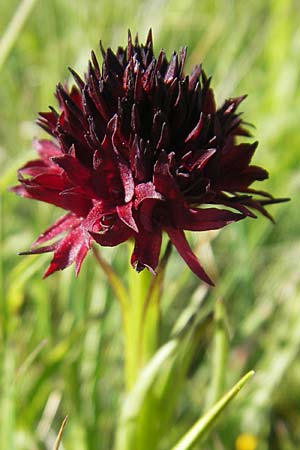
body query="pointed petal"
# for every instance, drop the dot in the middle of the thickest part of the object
(46, 149)
(238, 156)
(146, 250)
(62, 224)
(163, 180)
(124, 168)
(172, 71)
(45, 249)
(205, 219)
(193, 135)
(179, 240)
(73, 168)
(72, 248)
(194, 77)
(83, 249)
(125, 214)
(145, 191)
(251, 203)
(78, 174)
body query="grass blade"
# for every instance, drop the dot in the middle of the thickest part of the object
(14, 28)
(59, 436)
(199, 429)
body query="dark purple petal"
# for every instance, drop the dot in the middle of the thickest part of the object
(78, 175)
(93, 220)
(205, 219)
(145, 191)
(125, 214)
(238, 156)
(179, 241)
(194, 134)
(163, 180)
(40, 250)
(113, 231)
(61, 225)
(146, 250)
(72, 248)
(197, 159)
(46, 149)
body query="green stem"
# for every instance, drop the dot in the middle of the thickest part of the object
(137, 348)
(143, 316)
(220, 353)
(140, 313)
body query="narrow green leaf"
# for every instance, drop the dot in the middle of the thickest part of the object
(199, 429)
(220, 353)
(14, 28)
(7, 398)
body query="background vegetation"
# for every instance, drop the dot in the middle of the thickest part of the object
(60, 346)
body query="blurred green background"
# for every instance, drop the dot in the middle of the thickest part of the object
(60, 346)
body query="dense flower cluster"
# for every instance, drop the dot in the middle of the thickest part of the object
(139, 149)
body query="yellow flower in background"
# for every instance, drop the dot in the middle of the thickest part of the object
(246, 442)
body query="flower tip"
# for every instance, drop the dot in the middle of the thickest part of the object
(46, 274)
(151, 270)
(201, 273)
(282, 200)
(103, 53)
(49, 271)
(240, 99)
(139, 267)
(78, 267)
(14, 189)
(78, 80)
(209, 281)
(149, 40)
(136, 39)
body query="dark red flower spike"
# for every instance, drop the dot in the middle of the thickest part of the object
(138, 149)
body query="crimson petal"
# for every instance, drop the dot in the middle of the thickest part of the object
(125, 214)
(114, 234)
(62, 224)
(146, 250)
(205, 219)
(181, 244)
(163, 180)
(72, 248)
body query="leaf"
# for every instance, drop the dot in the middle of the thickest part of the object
(14, 28)
(199, 429)
(126, 434)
